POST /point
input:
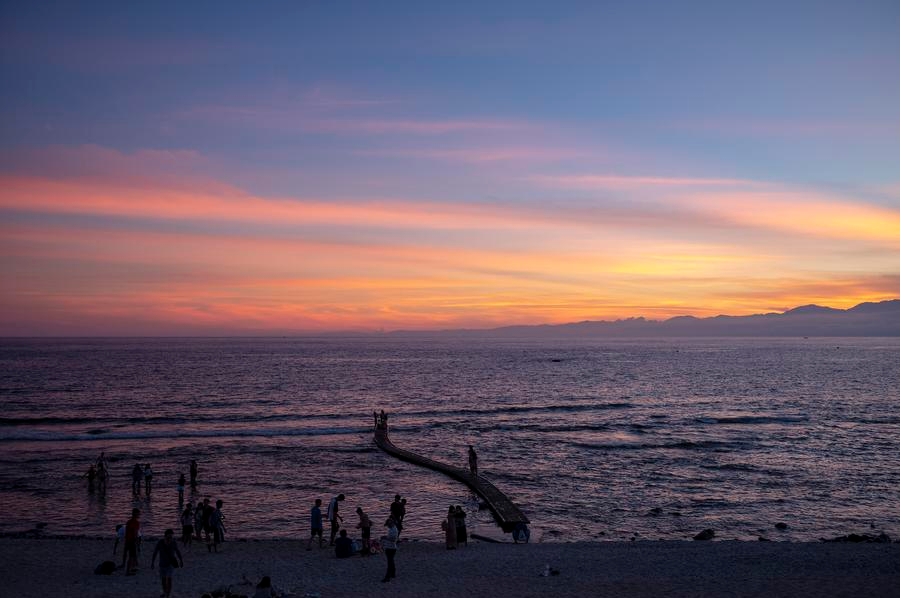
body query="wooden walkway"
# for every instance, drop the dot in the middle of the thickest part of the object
(507, 514)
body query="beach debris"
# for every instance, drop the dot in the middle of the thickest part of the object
(781, 526)
(762, 539)
(707, 534)
(882, 538)
(655, 511)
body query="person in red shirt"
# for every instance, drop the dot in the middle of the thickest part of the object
(132, 537)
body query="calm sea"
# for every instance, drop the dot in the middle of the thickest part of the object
(609, 440)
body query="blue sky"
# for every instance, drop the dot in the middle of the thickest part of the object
(616, 109)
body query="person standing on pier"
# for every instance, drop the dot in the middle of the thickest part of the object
(473, 462)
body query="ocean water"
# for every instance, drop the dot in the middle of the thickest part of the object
(594, 440)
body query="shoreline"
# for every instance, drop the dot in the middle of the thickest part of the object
(612, 568)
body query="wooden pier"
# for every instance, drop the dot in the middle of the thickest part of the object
(505, 512)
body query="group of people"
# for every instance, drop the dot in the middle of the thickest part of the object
(454, 526)
(99, 472)
(344, 547)
(139, 474)
(203, 523)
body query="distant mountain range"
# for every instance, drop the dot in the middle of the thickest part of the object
(866, 319)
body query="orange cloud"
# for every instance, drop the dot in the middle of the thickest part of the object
(152, 258)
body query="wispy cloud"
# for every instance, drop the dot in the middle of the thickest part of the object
(610, 181)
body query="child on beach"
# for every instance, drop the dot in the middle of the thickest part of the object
(187, 525)
(315, 524)
(365, 525)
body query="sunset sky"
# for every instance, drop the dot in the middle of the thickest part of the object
(276, 168)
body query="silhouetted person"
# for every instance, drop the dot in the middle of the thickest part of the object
(365, 526)
(473, 461)
(148, 479)
(389, 545)
(460, 524)
(315, 524)
(344, 547)
(137, 476)
(334, 518)
(193, 473)
(181, 488)
(91, 475)
(132, 537)
(170, 559)
(397, 513)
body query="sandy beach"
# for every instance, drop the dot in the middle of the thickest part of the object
(64, 567)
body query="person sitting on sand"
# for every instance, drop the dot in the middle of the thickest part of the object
(167, 548)
(344, 546)
(265, 589)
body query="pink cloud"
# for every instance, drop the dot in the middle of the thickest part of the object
(751, 127)
(590, 182)
(478, 155)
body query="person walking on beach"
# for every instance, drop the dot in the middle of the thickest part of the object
(365, 527)
(193, 474)
(132, 537)
(187, 526)
(449, 525)
(148, 479)
(473, 462)
(217, 523)
(181, 488)
(168, 551)
(389, 545)
(198, 521)
(460, 523)
(137, 474)
(207, 523)
(334, 518)
(315, 524)
(398, 510)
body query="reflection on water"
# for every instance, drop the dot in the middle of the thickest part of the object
(604, 439)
